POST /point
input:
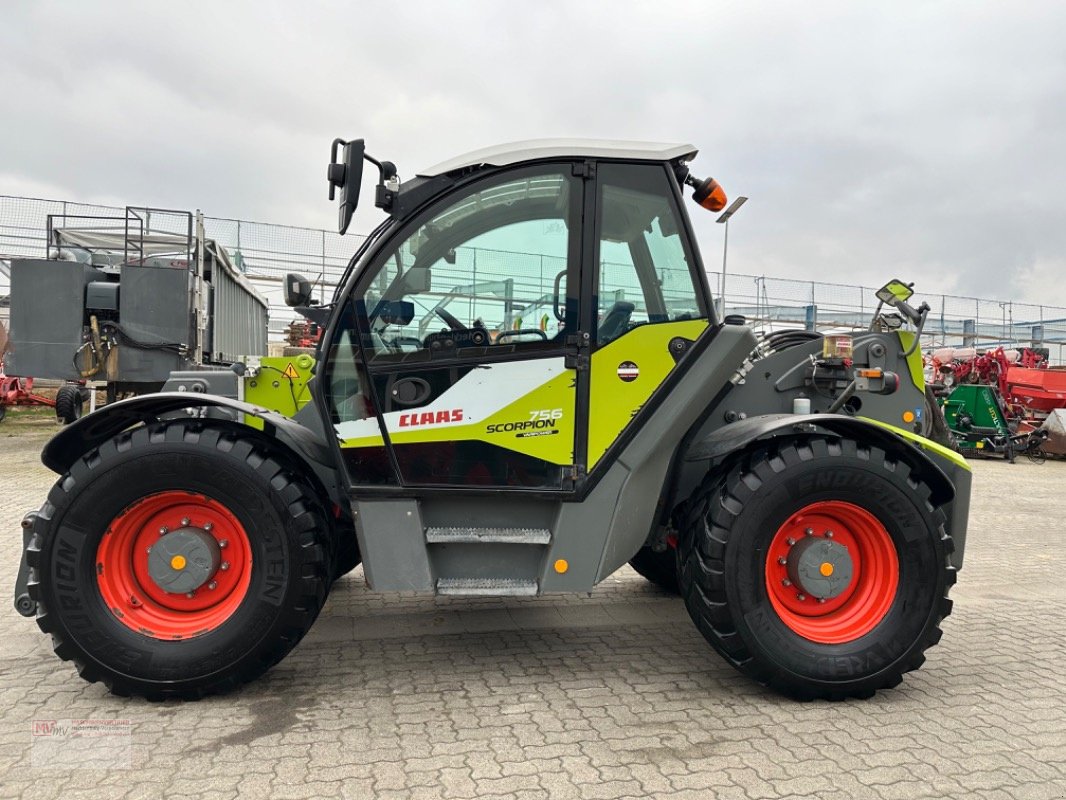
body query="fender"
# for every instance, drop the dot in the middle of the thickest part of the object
(90, 431)
(934, 462)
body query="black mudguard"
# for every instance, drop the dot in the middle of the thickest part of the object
(949, 478)
(88, 432)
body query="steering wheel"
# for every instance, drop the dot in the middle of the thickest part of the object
(448, 317)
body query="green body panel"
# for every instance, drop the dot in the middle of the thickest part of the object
(924, 443)
(280, 385)
(914, 360)
(614, 401)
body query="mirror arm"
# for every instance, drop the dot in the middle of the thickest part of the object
(923, 314)
(877, 313)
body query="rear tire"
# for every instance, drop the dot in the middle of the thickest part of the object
(859, 641)
(939, 431)
(658, 567)
(89, 539)
(69, 403)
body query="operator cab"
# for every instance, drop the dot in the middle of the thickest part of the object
(509, 289)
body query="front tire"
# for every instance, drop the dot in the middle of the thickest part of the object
(233, 507)
(746, 565)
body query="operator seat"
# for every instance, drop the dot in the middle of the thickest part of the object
(614, 322)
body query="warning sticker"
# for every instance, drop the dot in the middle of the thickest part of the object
(628, 371)
(291, 371)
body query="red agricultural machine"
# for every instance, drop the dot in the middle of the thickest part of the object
(1030, 394)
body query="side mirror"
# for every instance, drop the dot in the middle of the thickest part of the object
(297, 290)
(417, 281)
(895, 291)
(346, 175)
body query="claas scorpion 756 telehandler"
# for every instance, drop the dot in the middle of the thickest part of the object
(522, 385)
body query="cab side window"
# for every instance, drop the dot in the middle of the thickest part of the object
(487, 272)
(645, 274)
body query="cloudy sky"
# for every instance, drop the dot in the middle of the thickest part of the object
(919, 139)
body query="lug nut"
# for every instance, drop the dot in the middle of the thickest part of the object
(828, 534)
(224, 543)
(163, 530)
(786, 582)
(185, 522)
(801, 596)
(790, 541)
(214, 585)
(134, 601)
(148, 549)
(809, 532)
(821, 599)
(782, 561)
(190, 595)
(208, 526)
(224, 566)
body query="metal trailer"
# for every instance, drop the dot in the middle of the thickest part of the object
(125, 301)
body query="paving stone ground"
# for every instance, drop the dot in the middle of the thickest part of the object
(613, 695)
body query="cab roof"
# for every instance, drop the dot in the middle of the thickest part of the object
(532, 149)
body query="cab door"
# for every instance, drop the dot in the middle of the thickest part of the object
(649, 300)
(457, 331)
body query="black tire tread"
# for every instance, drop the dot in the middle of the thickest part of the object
(305, 510)
(705, 536)
(69, 403)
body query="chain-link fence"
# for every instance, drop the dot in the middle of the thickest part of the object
(265, 252)
(953, 321)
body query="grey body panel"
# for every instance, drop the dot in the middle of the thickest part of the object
(153, 308)
(531, 149)
(776, 379)
(773, 381)
(649, 455)
(392, 543)
(47, 311)
(218, 382)
(595, 535)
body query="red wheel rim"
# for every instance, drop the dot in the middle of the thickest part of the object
(869, 594)
(134, 597)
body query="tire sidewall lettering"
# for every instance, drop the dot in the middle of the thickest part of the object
(71, 562)
(913, 530)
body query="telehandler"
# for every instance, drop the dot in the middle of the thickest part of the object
(574, 403)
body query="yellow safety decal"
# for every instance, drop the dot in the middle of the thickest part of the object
(290, 371)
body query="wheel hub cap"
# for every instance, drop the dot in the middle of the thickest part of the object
(820, 567)
(184, 560)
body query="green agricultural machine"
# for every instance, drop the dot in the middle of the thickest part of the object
(976, 416)
(574, 403)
